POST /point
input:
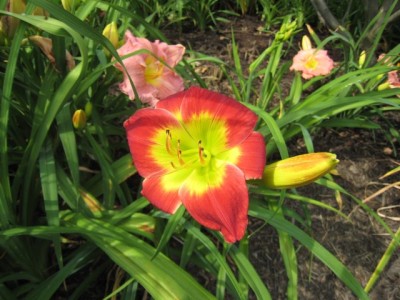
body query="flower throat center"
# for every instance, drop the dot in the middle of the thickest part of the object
(154, 69)
(311, 63)
(175, 150)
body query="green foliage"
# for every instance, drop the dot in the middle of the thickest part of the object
(70, 198)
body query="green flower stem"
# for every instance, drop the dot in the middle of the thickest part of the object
(394, 244)
(288, 253)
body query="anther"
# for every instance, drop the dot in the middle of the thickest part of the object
(201, 153)
(168, 141)
(179, 153)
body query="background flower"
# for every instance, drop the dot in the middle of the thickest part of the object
(151, 74)
(46, 45)
(311, 62)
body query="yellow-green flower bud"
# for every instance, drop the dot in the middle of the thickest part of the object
(361, 59)
(310, 29)
(286, 31)
(384, 86)
(9, 24)
(111, 33)
(70, 5)
(88, 109)
(298, 170)
(138, 222)
(306, 43)
(92, 203)
(79, 119)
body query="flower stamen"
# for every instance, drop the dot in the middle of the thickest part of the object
(202, 156)
(179, 152)
(168, 141)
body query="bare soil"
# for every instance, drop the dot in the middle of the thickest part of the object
(364, 156)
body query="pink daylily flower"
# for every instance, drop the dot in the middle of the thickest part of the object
(46, 45)
(151, 74)
(311, 62)
(393, 79)
(197, 148)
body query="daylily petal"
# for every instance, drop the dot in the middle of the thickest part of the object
(46, 45)
(222, 206)
(169, 84)
(153, 80)
(173, 104)
(146, 133)
(171, 54)
(312, 62)
(162, 189)
(134, 43)
(248, 156)
(204, 110)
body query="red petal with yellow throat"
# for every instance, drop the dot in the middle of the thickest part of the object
(211, 108)
(162, 189)
(172, 104)
(147, 133)
(219, 203)
(252, 157)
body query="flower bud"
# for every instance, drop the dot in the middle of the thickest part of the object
(111, 33)
(310, 29)
(9, 24)
(306, 43)
(286, 31)
(139, 223)
(88, 109)
(298, 170)
(92, 203)
(383, 86)
(79, 119)
(361, 59)
(70, 5)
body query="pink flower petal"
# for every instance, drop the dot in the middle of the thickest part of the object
(312, 62)
(170, 84)
(393, 78)
(151, 78)
(171, 54)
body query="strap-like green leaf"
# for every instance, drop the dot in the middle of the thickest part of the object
(259, 211)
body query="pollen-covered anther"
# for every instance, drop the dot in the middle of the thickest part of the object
(168, 141)
(202, 155)
(179, 153)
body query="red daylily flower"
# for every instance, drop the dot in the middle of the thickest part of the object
(197, 148)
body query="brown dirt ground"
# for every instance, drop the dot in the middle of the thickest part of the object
(364, 157)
